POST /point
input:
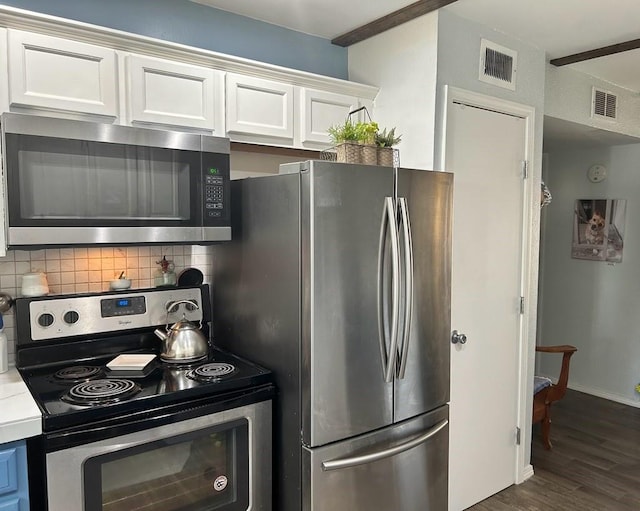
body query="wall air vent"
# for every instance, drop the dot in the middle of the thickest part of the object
(498, 65)
(604, 105)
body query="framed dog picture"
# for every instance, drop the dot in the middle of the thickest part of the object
(598, 229)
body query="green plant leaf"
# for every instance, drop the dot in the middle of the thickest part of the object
(346, 132)
(387, 138)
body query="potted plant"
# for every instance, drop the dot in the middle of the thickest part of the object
(367, 132)
(385, 140)
(345, 139)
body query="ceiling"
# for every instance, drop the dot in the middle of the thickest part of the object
(559, 27)
(323, 18)
(560, 135)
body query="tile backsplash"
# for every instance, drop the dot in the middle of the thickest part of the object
(82, 270)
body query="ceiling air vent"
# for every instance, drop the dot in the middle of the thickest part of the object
(498, 65)
(604, 104)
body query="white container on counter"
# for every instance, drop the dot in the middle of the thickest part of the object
(34, 284)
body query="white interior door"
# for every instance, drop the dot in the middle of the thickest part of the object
(485, 151)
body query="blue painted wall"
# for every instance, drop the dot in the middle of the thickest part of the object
(189, 23)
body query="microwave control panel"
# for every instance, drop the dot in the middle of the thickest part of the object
(217, 189)
(214, 195)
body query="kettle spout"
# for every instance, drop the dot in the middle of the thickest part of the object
(159, 333)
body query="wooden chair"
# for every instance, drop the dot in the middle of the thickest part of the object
(549, 392)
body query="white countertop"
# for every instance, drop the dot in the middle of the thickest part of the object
(20, 416)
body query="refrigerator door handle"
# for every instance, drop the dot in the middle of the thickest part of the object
(408, 275)
(389, 222)
(381, 302)
(385, 453)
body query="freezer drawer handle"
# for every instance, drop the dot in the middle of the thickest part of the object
(386, 453)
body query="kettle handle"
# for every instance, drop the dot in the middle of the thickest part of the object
(172, 305)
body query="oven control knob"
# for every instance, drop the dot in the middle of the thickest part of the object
(71, 317)
(45, 320)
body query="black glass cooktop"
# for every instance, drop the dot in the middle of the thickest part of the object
(73, 393)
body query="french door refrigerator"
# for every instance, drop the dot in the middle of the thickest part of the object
(338, 279)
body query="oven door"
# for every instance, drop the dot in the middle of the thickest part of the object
(204, 463)
(72, 182)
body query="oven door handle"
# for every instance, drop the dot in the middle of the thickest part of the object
(155, 417)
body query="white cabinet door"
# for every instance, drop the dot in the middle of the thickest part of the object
(58, 74)
(259, 107)
(319, 110)
(174, 94)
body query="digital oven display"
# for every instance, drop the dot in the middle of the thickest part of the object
(112, 307)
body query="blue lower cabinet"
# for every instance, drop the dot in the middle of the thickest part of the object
(8, 470)
(13, 504)
(14, 486)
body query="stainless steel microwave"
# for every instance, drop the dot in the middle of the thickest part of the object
(72, 182)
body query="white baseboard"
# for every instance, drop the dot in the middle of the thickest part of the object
(526, 474)
(607, 395)
(600, 393)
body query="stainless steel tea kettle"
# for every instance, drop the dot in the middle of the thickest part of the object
(184, 342)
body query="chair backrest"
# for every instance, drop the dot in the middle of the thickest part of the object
(558, 390)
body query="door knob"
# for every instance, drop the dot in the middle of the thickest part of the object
(458, 337)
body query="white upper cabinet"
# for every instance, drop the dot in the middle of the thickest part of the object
(58, 74)
(115, 77)
(259, 107)
(318, 111)
(174, 94)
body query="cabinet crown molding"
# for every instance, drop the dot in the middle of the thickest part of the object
(14, 18)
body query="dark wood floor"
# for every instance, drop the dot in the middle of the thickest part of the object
(594, 464)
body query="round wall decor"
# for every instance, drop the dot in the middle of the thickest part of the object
(597, 173)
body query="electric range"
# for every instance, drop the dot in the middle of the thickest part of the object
(64, 344)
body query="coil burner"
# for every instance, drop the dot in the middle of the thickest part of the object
(212, 372)
(100, 392)
(75, 374)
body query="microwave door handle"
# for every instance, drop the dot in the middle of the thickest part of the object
(409, 282)
(363, 459)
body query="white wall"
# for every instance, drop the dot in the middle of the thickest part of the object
(458, 66)
(593, 305)
(248, 164)
(588, 304)
(568, 96)
(402, 62)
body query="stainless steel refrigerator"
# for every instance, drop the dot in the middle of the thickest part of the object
(338, 279)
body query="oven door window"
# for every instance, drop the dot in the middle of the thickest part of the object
(204, 470)
(74, 183)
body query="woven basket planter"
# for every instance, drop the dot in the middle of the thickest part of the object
(385, 156)
(369, 155)
(348, 153)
